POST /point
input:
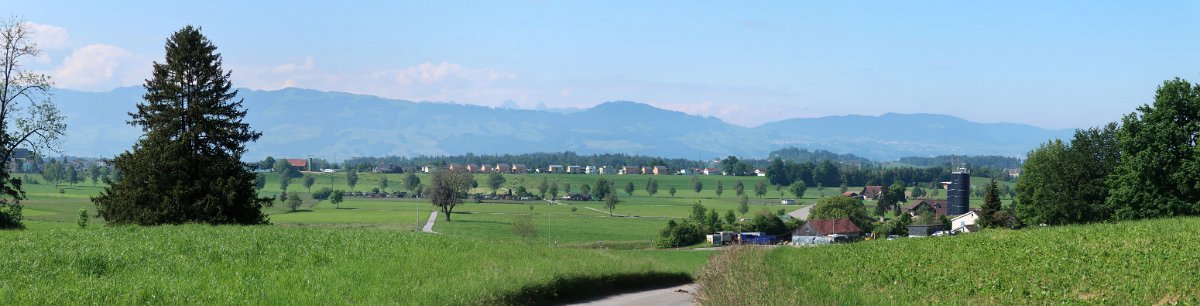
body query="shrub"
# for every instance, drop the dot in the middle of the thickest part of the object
(83, 218)
(679, 234)
(322, 194)
(522, 225)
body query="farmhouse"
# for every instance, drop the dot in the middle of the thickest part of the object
(711, 171)
(965, 223)
(661, 170)
(298, 164)
(647, 170)
(17, 159)
(503, 168)
(871, 192)
(630, 170)
(850, 194)
(574, 169)
(939, 207)
(486, 168)
(456, 167)
(428, 168)
(609, 170)
(554, 169)
(826, 231)
(760, 172)
(519, 168)
(473, 168)
(589, 170)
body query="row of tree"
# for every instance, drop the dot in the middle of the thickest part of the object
(1147, 166)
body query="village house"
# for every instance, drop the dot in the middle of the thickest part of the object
(554, 169)
(519, 168)
(923, 230)
(428, 168)
(503, 168)
(661, 170)
(629, 170)
(687, 171)
(711, 171)
(574, 169)
(456, 167)
(850, 194)
(825, 231)
(871, 192)
(939, 207)
(486, 168)
(589, 170)
(473, 168)
(298, 164)
(17, 160)
(760, 172)
(965, 223)
(610, 170)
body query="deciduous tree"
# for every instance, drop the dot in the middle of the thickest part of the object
(447, 189)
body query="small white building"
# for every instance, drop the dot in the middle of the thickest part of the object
(964, 223)
(428, 169)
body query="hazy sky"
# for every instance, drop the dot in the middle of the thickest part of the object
(1055, 64)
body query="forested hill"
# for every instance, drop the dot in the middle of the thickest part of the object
(798, 155)
(337, 126)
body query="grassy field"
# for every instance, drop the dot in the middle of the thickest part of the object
(198, 264)
(1131, 263)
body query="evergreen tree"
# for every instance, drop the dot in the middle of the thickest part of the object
(651, 186)
(187, 167)
(991, 205)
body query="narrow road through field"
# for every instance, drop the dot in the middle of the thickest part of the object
(682, 295)
(801, 213)
(429, 224)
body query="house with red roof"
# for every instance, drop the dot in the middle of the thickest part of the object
(825, 231)
(871, 192)
(298, 164)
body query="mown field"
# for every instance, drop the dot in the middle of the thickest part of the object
(200, 264)
(1132, 263)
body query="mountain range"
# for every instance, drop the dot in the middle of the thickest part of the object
(333, 125)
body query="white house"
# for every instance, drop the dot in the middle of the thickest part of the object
(964, 223)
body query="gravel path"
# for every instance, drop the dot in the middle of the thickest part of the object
(682, 295)
(429, 224)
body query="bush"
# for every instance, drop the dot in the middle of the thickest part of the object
(322, 194)
(679, 235)
(522, 225)
(293, 201)
(83, 218)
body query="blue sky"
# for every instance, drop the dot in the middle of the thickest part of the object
(1054, 64)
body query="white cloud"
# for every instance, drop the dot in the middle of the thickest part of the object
(48, 37)
(94, 66)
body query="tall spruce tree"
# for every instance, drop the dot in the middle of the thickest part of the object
(991, 205)
(187, 167)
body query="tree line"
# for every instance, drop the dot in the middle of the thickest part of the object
(1147, 165)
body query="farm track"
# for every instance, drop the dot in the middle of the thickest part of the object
(429, 224)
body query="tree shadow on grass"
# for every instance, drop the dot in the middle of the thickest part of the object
(590, 287)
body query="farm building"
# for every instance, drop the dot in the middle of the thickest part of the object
(923, 230)
(939, 207)
(455, 167)
(554, 169)
(850, 194)
(486, 168)
(519, 168)
(711, 171)
(297, 164)
(959, 193)
(609, 170)
(473, 168)
(965, 223)
(661, 170)
(760, 172)
(871, 192)
(590, 170)
(826, 231)
(428, 168)
(630, 170)
(574, 169)
(502, 168)
(787, 202)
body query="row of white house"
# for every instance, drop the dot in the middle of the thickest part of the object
(572, 169)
